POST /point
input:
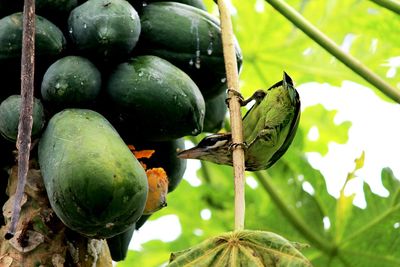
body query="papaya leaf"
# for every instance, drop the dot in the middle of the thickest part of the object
(339, 233)
(241, 248)
(319, 119)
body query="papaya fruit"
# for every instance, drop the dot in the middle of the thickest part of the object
(119, 244)
(94, 183)
(191, 40)
(9, 117)
(46, 8)
(49, 44)
(71, 81)
(104, 29)
(138, 4)
(156, 101)
(49, 40)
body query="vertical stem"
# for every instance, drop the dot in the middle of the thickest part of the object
(25, 118)
(234, 110)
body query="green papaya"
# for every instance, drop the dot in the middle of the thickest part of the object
(94, 183)
(9, 117)
(155, 100)
(49, 40)
(119, 244)
(46, 8)
(71, 81)
(138, 4)
(189, 38)
(49, 44)
(104, 29)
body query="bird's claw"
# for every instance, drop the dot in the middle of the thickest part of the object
(233, 146)
(235, 93)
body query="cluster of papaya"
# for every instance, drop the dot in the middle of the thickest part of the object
(118, 84)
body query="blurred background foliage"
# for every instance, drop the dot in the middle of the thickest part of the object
(291, 198)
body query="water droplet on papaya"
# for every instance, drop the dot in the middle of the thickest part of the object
(197, 63)
(223, 80)
(85, 26)
(58, 85)
(70, 31)
(191, 62)
(210, 49)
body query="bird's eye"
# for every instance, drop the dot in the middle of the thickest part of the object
(208, 141)
(213, 141)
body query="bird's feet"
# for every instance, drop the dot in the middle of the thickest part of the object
(233, 146)
(235, 93)
(258, 96)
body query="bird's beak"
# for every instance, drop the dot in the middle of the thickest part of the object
(192, 153)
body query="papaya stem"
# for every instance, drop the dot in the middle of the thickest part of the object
(25, 118)
(232, 76)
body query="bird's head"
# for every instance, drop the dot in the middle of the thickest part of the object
(214, 148)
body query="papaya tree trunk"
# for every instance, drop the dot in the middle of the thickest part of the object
(41, 239)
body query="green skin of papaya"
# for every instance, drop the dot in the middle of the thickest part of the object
(94, 183)
(195, 3)
(119, 244)
(196, 47)
(49, 40)
(9, 117)
(71, 81)
(216, 109)
(157, 101)
(42, 6)
(49, 44)
(105, 30)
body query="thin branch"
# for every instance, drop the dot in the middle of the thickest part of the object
(325, 42)
(392, 5)
(25, 118)
(234, 110)
(296, 221)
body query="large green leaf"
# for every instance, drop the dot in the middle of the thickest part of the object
(353, 237)
(320, 119)
(271, 44)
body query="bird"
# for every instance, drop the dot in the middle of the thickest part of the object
(269, 127)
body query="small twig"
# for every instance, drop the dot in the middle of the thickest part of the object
(234, 110)
(25, 118)
(325, 42)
